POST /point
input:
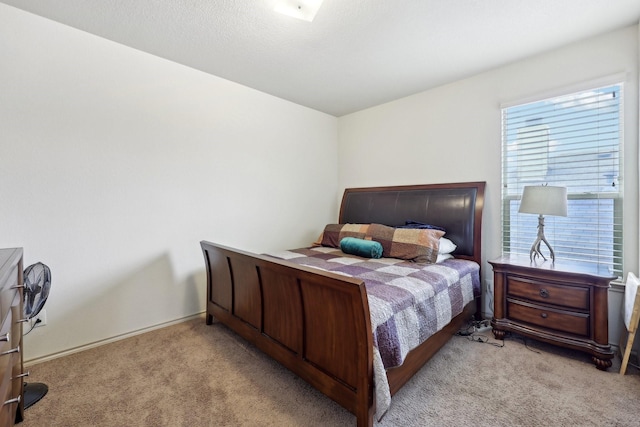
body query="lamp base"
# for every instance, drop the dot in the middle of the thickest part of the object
(535, 248)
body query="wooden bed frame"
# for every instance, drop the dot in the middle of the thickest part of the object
(317, 323)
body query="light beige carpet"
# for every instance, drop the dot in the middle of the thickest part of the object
(191, 374)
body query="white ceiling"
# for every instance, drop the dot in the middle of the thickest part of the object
(355, 54)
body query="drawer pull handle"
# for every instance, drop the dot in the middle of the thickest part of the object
(22, 320)
(543, 315)
(17, 287)
(5, 337)
(13, 350)
(544, 293)
(26, 374)
(14, 400)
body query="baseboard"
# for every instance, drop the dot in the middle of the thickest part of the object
(110, 340)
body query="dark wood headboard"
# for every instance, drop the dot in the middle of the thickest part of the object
(455, 207)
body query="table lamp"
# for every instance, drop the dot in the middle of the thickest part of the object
(543, 200)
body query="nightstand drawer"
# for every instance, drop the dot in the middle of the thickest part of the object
(564, 321)
(547, 293)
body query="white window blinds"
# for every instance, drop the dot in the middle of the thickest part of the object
(572, 141)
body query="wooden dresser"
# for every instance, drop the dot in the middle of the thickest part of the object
(563, 303)
(11, 366)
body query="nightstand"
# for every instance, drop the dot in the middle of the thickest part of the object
(561, 303)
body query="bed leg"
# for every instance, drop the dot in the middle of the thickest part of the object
(478, 314)
(209, 319)
(365, 418)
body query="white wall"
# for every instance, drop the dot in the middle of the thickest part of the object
(114, 164)
(453, 133)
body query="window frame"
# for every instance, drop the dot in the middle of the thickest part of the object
(617, 255)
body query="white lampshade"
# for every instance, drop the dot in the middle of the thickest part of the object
(544, 200)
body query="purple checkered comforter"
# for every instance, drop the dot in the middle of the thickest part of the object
(408, 301)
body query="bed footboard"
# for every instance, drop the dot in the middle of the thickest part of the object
(299, 317)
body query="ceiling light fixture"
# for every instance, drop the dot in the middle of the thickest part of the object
(300, 9)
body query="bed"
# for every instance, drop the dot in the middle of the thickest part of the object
(317, 320)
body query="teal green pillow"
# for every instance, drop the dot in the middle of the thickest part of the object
(361, 247)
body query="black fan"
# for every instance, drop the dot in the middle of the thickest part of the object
(37, 282)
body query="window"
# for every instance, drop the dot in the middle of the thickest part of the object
(572, 141)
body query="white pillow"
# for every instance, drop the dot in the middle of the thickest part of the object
(446, 246)
(442, 257)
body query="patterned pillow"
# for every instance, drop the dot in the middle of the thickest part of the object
(420, 245)
(333, 233)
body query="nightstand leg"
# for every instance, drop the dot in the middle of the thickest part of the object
(602, 364)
